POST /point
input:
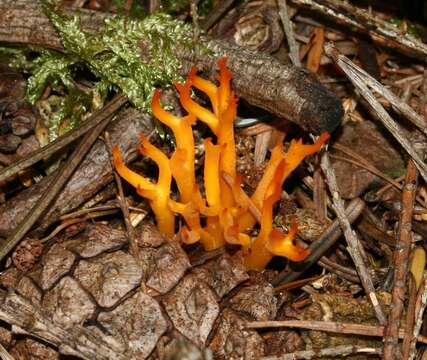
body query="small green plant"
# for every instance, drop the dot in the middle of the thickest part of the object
(114, 55)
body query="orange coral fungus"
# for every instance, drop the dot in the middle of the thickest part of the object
(225, 214)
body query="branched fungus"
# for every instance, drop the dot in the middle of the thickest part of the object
(225, 215)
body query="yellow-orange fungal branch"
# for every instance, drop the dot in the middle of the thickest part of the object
(224, 85)
(212, 178)
(157, 194)
(294, 156)
(203, 114)
(206, 86)
(182, 162)
(130, 176)
(225, 213)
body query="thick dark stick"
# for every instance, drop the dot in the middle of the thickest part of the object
(284, 90)
(401, 261)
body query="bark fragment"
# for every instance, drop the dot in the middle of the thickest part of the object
(68, 304)
(223, 273)
(168, 265)
(109, 277)
(138, 323)
(193, 308)
(256, 301)
(233, 341)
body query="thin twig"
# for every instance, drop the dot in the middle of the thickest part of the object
(354, 246)
(195, 19)
(320, 197)
(64, 140)
(358, 19)
(296, 284)
(83, 212)
(401, 261)
(328, 326)
(375, 233)
(365, 164)
(338, 351)
(133, 245)
(343, 269)
(287, 26)
(334, 268)
(255, 212)
(92, 214)
(399, 104)
(56, 185)
(353, 73)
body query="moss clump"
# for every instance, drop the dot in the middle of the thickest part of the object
(114, 54)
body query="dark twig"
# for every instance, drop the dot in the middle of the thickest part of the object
(64, 140)
(338, 351)
(353, 73)
(328, 326)
(354, 247)
(319, 247)
(216, 14)
(334, 266)
(133, 245)
(365, 163)
(375, 233)
(57, 184)
(287, 26)
(401, 261)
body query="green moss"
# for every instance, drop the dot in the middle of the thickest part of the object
(49, 69)
(114, 55)
(128, 54)
(16, 58)
(412, 28)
